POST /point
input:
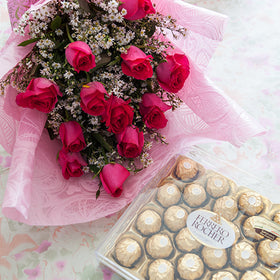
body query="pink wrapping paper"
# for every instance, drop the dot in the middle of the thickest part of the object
(37, 193)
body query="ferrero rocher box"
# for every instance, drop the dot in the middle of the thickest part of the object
(193, 223)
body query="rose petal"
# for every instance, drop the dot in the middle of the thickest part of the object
(112, 177)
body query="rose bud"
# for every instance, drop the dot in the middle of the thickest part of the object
(93, 98)
(71, 164)
(41, 94)
(171, 75)
(137, 64)
(112, 177)
(130, 142)
(71, 135)
(152, 109)
(79, 55)
(137, 9)
(118, 114)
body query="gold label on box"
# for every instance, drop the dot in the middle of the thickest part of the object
(266, 228)
(210, 229)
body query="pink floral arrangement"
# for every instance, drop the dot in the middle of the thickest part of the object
(94, 92)
(105, 74)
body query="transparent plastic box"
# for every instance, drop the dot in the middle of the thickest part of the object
(198, 218)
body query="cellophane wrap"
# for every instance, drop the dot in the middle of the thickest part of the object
(36, 192)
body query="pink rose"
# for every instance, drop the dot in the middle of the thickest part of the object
(92, 98)
(40, 94)
(71, 135)
(171, 75)
(118, 114)
(80, 56)
(130, 142)
(152, 108)
(112, 177)
(71, 164)
(137, 9)
(137, 64)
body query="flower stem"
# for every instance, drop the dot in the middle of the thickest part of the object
(96, 173)
(117, 60)
(68, 34)
(67, 117)
(88, 77)
(102, 141)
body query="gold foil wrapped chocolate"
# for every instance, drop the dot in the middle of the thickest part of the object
(148, 222)
(159, 246)
(249, 230)
(175, 218)
(217, 186)
(223, 275)
(269, 252)
(214, 258)
(168, 194)
(226, 206)
(128, 251)
(186, 169)
(251, 203)
(161, 270)
(185, 241)
(194, 195)
(253, 275)
(243, 256)
(190, 267)
(276, 218)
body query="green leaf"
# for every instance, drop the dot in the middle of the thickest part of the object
(28, 42)
(97, 193)
(99, 138)
(56, 23)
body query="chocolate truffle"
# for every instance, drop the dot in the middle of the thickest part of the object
(168, 194)
(185, 241)
(148, 222)
(217, 186)
(175, 218)
(249, 231)
(243, 256)
(269, 252)
(161, 270)
(190, 267)
(159, 246)
(128, 251)
(186, 169)
(253, 275)
(214, 258)
(194, 195)
(250, 203)
(226, 206)
(276, 218)
(223, 275)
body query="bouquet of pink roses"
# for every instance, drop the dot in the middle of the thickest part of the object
(105, 74)
(105, 89)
